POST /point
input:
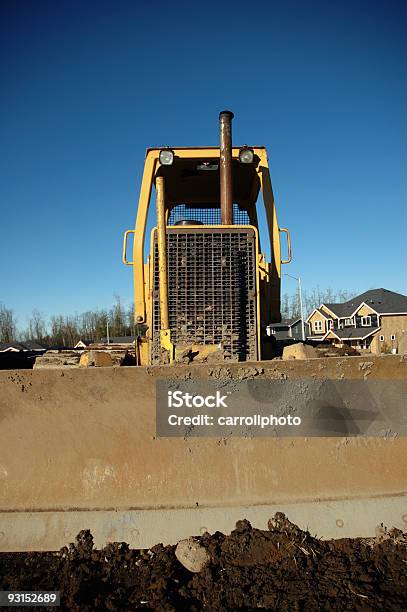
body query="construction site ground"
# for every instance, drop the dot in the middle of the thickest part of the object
(283, 568)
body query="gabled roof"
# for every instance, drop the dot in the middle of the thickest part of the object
(380, 300)
(10, 346)
(28, 345)
(341, 310)
(314, 337)
(293, 321)
(353, 333)
(285, 323)
(323, 308)
(83, 343)
(383, 301)
(321, 312)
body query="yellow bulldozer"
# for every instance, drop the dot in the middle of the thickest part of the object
(79, 447)
(207, 288)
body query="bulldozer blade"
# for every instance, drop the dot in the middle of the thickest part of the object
(79, 450)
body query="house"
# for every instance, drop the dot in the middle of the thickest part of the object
(288, 329)
(82, 344)
(375, 320)
(17, 347)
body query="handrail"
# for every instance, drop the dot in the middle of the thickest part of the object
(124, 260)
(286, 261)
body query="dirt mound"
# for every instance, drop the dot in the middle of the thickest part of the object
(283, 568)
(336, 351)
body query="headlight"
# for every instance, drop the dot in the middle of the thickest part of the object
(166, 157)
(246, 155)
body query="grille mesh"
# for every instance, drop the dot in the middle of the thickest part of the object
(211, 291)
(206, 214)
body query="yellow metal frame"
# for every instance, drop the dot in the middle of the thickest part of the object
(265, 272)
(152, 164)
(165, 332)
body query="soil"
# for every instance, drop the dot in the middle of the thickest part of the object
(336, 351)
(283, 568)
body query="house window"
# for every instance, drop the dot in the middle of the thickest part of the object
(393, 337)
(318, 326)
(348, 322)
(330, 324)
(366, 321)
(381, 338)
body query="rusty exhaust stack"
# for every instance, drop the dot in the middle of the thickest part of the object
(226, 186)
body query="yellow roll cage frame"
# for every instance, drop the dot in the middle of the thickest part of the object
(151, 167)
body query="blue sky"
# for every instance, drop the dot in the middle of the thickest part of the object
(88, 86)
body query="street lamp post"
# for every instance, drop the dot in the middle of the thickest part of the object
(301, 308)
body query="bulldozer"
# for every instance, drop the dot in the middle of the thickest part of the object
(207, 289)
(79, 447)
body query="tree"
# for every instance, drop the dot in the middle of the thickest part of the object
(36, 327)
(118, 318)
(315, 297)
(285, 306)
(57, 332)
(7, 324)
(65, 331)
(290, 304)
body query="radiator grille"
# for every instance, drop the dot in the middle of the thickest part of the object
(208, 215)
(211, 291)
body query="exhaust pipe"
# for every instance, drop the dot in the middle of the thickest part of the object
(226, 186)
